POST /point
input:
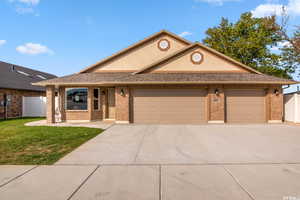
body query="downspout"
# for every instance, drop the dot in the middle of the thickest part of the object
(5, 105)
(296, 96)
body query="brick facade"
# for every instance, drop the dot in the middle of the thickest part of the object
(14, 109)
(275, 101)
(216, 104)
(122, 104)
(215, 98)
(50, 94)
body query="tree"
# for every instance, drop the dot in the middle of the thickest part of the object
(290, 47)
(249, 41)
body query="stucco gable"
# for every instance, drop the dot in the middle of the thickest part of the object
(141, 54)
(212, 61)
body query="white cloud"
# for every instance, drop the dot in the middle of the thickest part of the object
(25, 6)
(185, 33)
(22, 10)
(292, 8)
(216, 2)
(2, 42)
(32, 2)
(267, 10)
(29, 2)
(280, 45)
(34, 49)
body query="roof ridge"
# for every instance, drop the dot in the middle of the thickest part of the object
(203, 46)
(135, 45)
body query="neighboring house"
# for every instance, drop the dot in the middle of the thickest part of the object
(167, 79)
(15, 83)
(292, 107)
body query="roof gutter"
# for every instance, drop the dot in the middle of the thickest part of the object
(167, 83)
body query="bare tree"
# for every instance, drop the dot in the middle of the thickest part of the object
(282, 28)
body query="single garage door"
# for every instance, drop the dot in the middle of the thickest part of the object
(245, 106)
(169, 106)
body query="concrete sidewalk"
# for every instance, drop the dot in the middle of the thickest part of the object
(150, 182)
(96, 124)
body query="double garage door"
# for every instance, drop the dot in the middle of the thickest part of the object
(189, 106)
(169, 106)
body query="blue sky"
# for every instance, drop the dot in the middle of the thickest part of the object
(64, 36)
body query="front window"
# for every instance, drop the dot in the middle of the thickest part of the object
(76, 98)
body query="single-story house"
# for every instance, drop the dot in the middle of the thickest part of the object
(292, 107)
(15, 83)
(167, 79)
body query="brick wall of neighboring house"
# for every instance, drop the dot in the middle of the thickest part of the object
(15, 108)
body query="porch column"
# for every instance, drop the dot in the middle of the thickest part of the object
(62, 103)
(50, 94)
(90, 103)
(216, 107)
(275, 101)
(122, 105)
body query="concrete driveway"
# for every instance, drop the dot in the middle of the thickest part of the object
(167, 162)
(190, 144)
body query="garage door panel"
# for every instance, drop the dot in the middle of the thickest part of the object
(168, 106)
(245, 106)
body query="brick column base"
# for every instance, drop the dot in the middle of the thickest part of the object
(122, 105)
(275, 96)
(50, 94)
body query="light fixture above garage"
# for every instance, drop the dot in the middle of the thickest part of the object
(163, 44)
(197, 57)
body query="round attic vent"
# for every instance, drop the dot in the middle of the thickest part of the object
(164, 44)
(196, 57)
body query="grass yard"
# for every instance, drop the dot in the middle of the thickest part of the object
(25, 145)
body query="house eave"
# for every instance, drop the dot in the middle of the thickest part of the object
(166, 83)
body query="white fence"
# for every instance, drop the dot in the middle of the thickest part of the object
(34, 106)
(292, 108)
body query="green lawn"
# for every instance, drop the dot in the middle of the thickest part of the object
(25, 145)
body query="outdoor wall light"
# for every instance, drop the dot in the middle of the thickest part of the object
(122, 92)
(276, 91)
(103, 92)
(217, 92)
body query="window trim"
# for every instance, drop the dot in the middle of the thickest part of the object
(66, 96)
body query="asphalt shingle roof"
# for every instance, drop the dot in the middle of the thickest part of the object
(17, 77)
(165, 78)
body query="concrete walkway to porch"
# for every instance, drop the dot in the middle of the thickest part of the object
(94, 124)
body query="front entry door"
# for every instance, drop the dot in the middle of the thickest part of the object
(111, 103)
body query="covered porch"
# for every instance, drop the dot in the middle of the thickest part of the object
(87, 104)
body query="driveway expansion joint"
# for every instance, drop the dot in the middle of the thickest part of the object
(11, 180)
(239, 183)
(85, 180)
(159, 183)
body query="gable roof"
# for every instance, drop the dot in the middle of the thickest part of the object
(134, 46)
(17, 77)
(197, 44)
